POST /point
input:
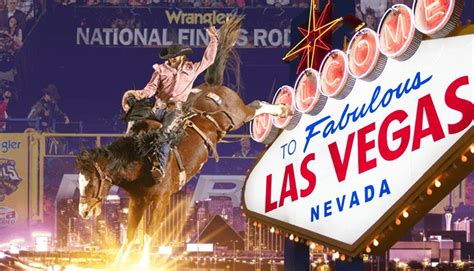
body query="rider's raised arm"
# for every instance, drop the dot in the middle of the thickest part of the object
(209, 55)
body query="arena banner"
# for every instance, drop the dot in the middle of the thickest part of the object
(380, 151)
(160, 27)
(14, 185)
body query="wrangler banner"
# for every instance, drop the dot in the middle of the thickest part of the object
(159, 27)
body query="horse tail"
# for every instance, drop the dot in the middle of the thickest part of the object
(228, 36)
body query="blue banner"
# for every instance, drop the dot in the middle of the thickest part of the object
(160, 27)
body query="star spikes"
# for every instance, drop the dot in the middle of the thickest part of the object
(315, 44)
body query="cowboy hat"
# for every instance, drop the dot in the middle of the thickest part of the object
(175, 50)
(52, 91)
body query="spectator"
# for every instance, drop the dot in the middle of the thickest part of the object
(3, 15)
(370, 20)
(378, 6)
(5, 94)
(240, 3)
(230, 4)
(47, 109)
(278, 3)
(115, 2)
(245, 149)
(26, 6)
(135, 3)
(206, 3)
(67, 2)
(217, 4)
(92, 2)
(12, 11)
(15, 33)
(358, 12)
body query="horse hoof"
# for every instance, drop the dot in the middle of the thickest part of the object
(285, 111)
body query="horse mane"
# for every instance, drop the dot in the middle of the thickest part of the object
(119, 154)
(228, 36)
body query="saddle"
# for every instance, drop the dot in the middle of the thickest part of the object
(145, 123)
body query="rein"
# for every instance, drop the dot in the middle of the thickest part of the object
(102, 179)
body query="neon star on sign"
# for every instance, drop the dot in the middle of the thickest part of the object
(316, 36)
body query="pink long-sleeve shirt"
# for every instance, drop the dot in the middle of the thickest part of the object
(170, 84)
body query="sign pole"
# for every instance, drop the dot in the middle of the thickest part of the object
(296, 256)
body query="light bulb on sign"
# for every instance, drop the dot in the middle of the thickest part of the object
(405, 214)
(375, 242)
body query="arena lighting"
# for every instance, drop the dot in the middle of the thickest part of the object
(429, 192)
(272, 229)
(472, 148)
(367, 249)
(464, 158)
(437, 183)
(292, 237)
(313, 245)
(297, 239)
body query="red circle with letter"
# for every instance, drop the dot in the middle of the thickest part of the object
(432, 15)
(396, 30)
(261, 127)
(334, 73)
(307, 91)
(363, 53)
(284, 95)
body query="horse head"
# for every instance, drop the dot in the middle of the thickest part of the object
(94, 183)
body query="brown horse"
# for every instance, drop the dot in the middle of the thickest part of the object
(215, 110)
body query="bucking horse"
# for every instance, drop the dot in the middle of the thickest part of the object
(214, 110)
